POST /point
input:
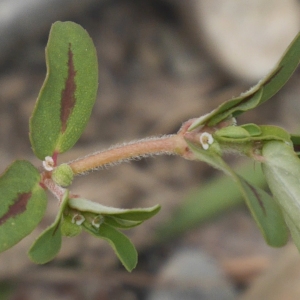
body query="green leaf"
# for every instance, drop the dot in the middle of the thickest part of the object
(258, 94)
(69, 91)
(230, 108)
(253, 129)
(111, 217)
(263, 208)
(238, 138)
(121, 223)
(271, 132)
(266, 213)
(281, 167)
(135, 214)
(48, 244)
(22, 202)
(122, 246)
(233, 132)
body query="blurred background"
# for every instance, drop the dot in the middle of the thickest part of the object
(161, 62)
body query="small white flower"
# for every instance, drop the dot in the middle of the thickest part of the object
(48, 163)
(78, 219)
(97, 221)
(206, 139)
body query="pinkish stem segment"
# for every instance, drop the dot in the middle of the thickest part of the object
(170, 145)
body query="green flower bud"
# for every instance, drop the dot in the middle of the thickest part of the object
(69, 229)
(63, 175)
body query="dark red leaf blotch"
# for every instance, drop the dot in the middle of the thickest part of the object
(68, 94)
(18, 207)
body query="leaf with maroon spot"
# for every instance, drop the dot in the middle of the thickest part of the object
(22, 203)
(69, 91)
(265, 211)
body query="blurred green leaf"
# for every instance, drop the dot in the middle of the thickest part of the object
(263, 208)
(281, 167)
(122, 246)
(7, 289)
(69, 91)
(23, 202)
(209, 200)
(48, 244)
(258, 94)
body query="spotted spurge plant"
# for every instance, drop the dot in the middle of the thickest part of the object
(61, 113)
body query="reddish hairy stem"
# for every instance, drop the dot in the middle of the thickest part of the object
(54, 188)
(171, 144)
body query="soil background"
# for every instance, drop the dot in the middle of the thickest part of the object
(155, 72)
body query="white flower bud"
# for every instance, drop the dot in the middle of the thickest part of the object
(206, 139)
(97, 221)
(48, 163)
(78, 219)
